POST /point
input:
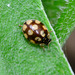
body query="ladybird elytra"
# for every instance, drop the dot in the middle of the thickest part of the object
(36, 32)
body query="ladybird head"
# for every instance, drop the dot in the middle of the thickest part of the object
(47, 41)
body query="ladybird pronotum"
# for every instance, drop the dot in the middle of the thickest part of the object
(36, 32)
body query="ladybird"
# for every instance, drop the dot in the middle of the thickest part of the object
(36, 32)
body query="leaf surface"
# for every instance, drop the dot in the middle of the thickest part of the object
(18, 55)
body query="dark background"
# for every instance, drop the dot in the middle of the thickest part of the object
(69, 50)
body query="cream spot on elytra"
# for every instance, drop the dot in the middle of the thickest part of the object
(26, 36)
(36, 21)
(44, 27)
(32, 41)
(37, 38)
(30, 32)
(24, 27)
(35, 27)
(42, 33)
(29, 22)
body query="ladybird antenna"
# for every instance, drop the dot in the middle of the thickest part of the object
(50, 31)
(49, 43)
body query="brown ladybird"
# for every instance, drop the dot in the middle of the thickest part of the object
(36, 32)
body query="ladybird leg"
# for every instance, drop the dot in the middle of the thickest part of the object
(20, 25)
(48, 45)
(42, 47)
(50, 31)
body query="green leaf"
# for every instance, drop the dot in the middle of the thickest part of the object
(18, 55)
(61, 14)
